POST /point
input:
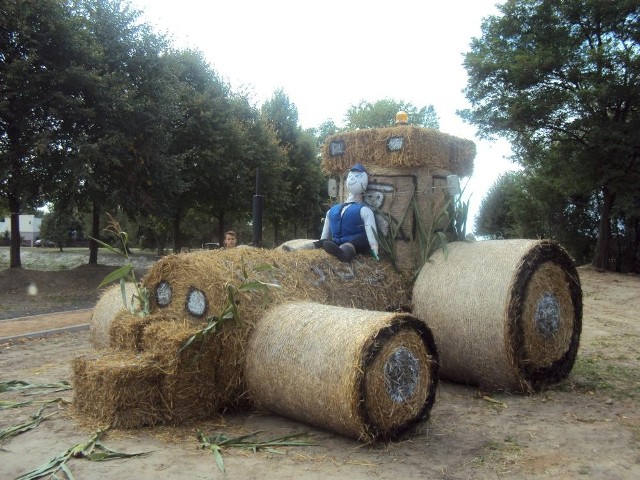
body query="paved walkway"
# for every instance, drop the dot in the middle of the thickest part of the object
(43, 325)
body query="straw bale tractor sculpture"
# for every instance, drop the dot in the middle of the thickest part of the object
(357, 348)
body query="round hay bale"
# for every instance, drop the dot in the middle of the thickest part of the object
(196, 285)
(191, 289)
(106, 309)
(506, 314)
(364, 374)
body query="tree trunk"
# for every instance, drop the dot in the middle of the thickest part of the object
(601, 258)
(14, 251)
(95, 233)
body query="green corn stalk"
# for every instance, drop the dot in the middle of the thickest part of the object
(19, 428)
(126, 272)
(14, 385)
(215, 444)
(5, 405)
(430, 237)
(92, 450)
(459, 212)
(388, 242)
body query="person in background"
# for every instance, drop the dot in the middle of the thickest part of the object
(350, 227)
(230, 239)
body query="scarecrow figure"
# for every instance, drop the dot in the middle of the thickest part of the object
(350, 227)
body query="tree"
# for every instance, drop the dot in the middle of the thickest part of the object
(528, 204)
(57, 225)
(382, 113)
(201, 140)
(41, 53)
(326, 129)
(120, 144)
(561, 81)
(299, 198)
(495, 219)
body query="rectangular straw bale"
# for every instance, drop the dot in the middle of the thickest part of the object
(206, 376)
(125, 331)
(118, 389)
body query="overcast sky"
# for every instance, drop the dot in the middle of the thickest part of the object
(327, 56)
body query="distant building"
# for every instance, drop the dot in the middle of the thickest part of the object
(29, 227)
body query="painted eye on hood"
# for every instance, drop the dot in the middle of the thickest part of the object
(196, 302)
(163, 294)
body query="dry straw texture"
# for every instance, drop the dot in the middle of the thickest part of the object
(303, 274)
(208, 376)
(506, 314)
(422, 147)
(118, 389)
(108, 306)
(367, 375)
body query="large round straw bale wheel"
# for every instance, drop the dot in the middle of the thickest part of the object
(364, 374)
(505, 314)
(108, 306)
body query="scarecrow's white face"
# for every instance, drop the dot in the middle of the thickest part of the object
(357, 183)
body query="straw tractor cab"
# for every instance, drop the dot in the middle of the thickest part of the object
(353, 347)
(413, 181)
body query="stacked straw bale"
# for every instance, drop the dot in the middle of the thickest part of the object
(208, 376)
(367, 375)
(506, 314)
(108, 307)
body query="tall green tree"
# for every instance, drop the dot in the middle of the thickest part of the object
(207, 144)
(382, 113)
(299, 199)
(561, 81)
(57, 226)
(41, 78)
(120, 146)
(527, 204)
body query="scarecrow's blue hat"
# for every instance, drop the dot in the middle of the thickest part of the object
(359, 168)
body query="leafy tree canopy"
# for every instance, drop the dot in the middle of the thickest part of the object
(561, 81)
(382, 113)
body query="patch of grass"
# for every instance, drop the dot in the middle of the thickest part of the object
(505, 452)
(594, 373)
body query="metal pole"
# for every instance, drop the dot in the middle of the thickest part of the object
(257, 212)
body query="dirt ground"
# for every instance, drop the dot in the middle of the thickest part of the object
(586, 427)
(50, 291)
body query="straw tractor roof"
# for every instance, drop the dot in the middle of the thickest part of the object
(398, 146)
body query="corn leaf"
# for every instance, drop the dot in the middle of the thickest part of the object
(14, 430)
(85, 450)
(5, 405)
(215, 444)
(106, 245)
(14, 385)
(118, 274)
(218, 458)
